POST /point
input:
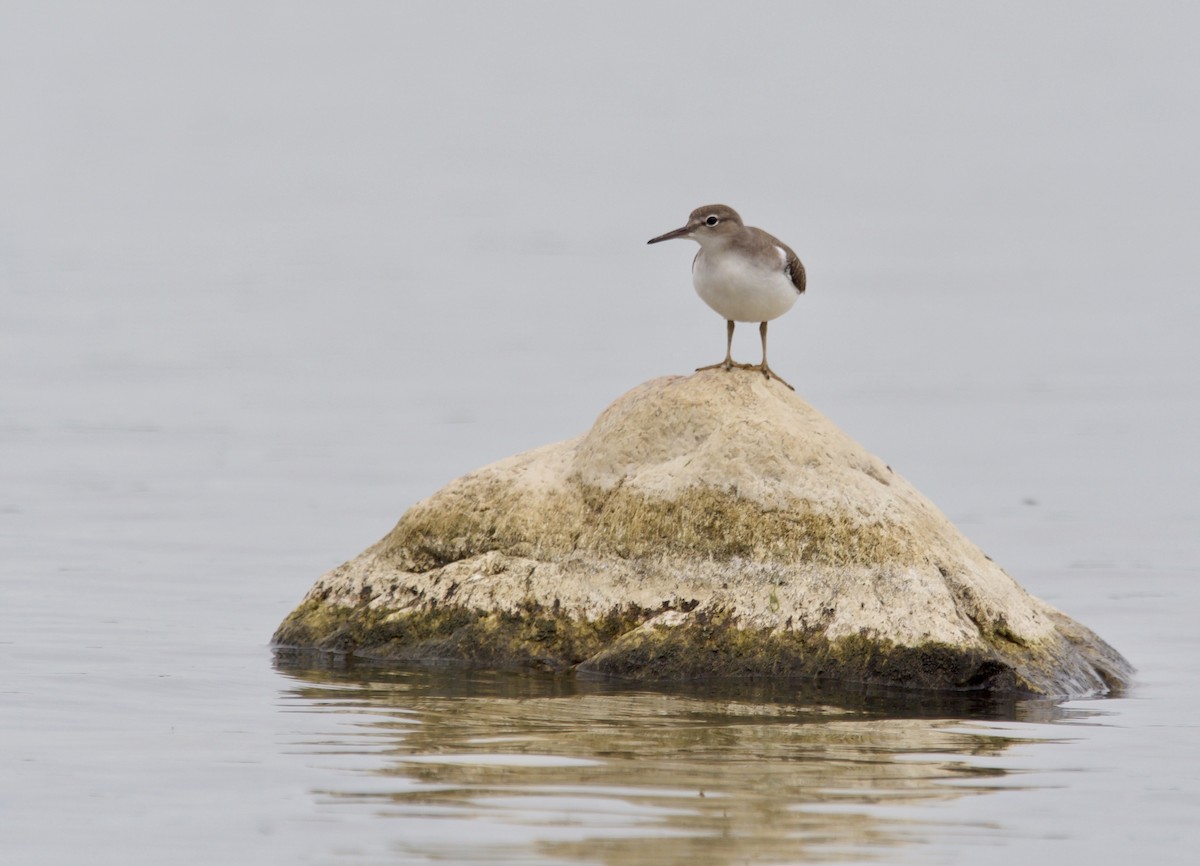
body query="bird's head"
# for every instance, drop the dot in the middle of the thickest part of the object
(710, 224)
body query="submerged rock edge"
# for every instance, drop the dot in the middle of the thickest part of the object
(674, 644)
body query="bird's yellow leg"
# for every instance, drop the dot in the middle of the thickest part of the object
(728, 363)
(767, 371)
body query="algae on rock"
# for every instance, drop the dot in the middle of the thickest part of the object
(709, 525)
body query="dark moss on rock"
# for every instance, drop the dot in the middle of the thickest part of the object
(531, 636)
(622, 645)
(475, 517)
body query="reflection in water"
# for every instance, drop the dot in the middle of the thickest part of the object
(481, 767)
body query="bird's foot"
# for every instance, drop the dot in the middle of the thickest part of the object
(725, 365)
(771, 374)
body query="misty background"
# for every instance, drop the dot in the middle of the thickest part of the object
(401, 240)
(272, 272)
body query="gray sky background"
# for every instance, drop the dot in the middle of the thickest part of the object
(369, 231)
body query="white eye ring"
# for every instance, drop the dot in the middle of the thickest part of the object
(711, 221)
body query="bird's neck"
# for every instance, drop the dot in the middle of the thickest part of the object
(715, 245)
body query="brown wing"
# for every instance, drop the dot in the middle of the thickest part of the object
(792, 267)
(794, 270)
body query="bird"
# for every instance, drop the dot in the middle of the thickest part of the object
(743, 273)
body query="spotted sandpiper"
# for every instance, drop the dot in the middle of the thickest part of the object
(742, 272)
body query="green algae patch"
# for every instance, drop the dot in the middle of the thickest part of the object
(707, 522)
(344, 629)
(532, 636)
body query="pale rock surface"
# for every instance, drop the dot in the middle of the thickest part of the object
(706, 526)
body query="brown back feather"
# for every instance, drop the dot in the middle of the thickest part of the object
(793, 268)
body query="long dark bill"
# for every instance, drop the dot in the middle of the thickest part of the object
(677, 233)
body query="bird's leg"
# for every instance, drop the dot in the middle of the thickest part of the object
(767, 371)
(727, 364)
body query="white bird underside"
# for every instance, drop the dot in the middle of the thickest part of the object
(741, 291)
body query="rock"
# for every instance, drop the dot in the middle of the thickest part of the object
(713, 525)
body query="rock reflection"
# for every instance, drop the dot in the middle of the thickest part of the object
(494, 767)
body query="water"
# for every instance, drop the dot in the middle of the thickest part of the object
(270, 274)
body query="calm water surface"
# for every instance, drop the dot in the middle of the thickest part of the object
(271, 274)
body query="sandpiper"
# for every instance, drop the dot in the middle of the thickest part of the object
(742, 272)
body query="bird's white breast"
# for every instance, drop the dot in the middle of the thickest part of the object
(743, 289)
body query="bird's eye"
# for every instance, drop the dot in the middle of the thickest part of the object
(712, 221)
